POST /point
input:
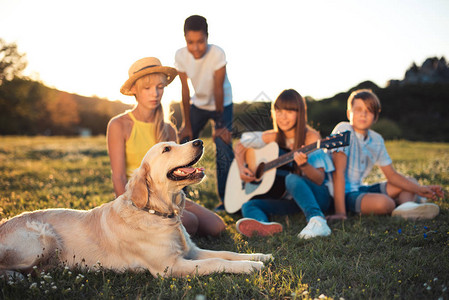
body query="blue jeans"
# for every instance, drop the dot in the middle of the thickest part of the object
(224, 154)
(309, 197)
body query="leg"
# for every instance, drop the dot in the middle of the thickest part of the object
(198, 119)
(399, 194)
(208, 223)
(372, 199)
(228, 255)
(408, 208)
(190, 221)
(256, 213)
(33, 244)
(377, 204)
(310, 197)
(224, 152)
(207, 266)
(224, 157)
(260, 209)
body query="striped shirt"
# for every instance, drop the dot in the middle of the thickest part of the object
(363, 153)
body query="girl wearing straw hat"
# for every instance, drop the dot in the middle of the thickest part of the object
(132, 133)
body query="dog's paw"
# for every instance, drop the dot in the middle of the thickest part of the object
(256, 265)
(262, 257)
(267, 257)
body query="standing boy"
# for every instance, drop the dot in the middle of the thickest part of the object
(205, 65)
(353, 164)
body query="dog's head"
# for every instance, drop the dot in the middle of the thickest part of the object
(165, 170)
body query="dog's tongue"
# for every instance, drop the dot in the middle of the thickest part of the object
(186, 171)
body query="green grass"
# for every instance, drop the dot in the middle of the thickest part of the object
(365, 257)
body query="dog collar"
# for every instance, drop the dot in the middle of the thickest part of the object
(155, 212)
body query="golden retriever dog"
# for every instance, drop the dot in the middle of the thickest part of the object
(139, 230)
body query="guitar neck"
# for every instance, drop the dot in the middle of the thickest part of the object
(288, 157)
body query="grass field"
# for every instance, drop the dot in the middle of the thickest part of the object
(371, 257)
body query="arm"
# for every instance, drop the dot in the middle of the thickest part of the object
(399, 180)
(314, 174)
(219, 77)
(221, 130)
(251, 140)
(239, 154)
(186, 128)
(340, 161)
(116, 149)
(309, 171)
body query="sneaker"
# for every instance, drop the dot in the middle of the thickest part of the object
(249, 227)
(419, 199)
(317, 226)
(413, 211)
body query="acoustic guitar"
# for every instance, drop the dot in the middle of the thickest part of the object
(266, 163)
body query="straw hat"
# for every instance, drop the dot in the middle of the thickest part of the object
(145, 66)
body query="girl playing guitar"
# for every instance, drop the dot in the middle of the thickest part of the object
(306, 184)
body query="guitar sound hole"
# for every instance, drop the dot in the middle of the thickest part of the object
(260, 170)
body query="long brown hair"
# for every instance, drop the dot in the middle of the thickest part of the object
(291, 100)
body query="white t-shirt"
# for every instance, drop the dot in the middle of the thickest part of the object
(201, 73)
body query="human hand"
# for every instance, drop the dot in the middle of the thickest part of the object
(219, 109)
(337, 216)
(300, 158)
(431, 191)
(246, 175)
(185, 134)
(224, 134)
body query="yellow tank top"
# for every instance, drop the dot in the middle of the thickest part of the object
(142, 138)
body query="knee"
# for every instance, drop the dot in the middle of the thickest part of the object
(216, 228)
(293, 182)
(246, 207)
(250, 206)
(387, 205)
(383, 205)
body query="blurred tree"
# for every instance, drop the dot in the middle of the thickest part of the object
(388, 128)
(12, 62)
(63, 110)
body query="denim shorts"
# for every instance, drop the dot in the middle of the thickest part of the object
(353, 200)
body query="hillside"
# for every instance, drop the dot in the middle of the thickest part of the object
(413, 108)
(31, 108)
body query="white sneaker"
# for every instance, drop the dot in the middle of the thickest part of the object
(419, 199)
(317, 226)
(412, 210)
(249, 227)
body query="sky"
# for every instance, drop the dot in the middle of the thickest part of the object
(319, 48)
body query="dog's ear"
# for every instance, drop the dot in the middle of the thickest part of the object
(140, 188)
